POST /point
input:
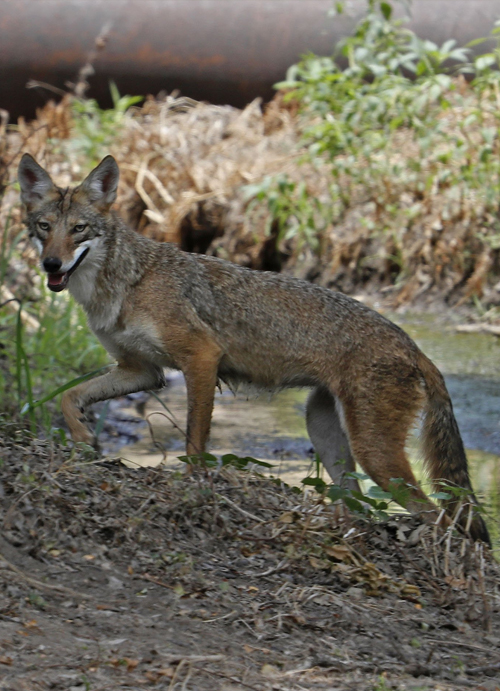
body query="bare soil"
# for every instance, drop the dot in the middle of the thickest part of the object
(112, 578)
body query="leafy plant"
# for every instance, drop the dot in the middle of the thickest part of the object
(375, 502)
(95, 128)
(297, 214)
(385, 88)
(36, 363)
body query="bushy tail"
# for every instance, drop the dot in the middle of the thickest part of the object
(443, 448)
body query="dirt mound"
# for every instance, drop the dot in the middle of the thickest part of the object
(118, 578)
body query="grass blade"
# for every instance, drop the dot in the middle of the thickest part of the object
(61, 389)
(102, 419)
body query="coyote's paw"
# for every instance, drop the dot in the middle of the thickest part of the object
(84, 436)
(75, 420)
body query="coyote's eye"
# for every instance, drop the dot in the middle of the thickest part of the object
(43, 225)
(80, 227)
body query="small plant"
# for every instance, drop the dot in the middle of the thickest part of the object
(8, 246)
(381, 684)
(298, 214)
(96, 128)
(36, 364)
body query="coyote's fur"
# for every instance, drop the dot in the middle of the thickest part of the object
(153, 306)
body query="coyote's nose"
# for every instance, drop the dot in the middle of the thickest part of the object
(52, 264)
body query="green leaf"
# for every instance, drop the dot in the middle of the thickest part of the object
(336, 492)
(229, 458)
(256, 461)
(386, 10)
(440, 496)
(363, 497)
(316, 482)
(357, 476)
(204, 460)
(102, 419)
(61, 389)
(376, 492)
(354, 505)
(482, 62)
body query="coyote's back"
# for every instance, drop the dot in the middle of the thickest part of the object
(154, 306)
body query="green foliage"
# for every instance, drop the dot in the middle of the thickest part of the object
(361, 104)
(297, 214)
(37, 363)
(391, 116)
(381, 684)
(94, 128)
(375, 502)
(8, 247)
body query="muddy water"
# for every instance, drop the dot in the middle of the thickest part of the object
(273, 429)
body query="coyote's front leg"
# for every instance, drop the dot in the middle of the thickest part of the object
(200, 372)
(122, 380)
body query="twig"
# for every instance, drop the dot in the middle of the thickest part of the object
(192, 659)
(35, 84)
(463, 645)
(11, 302)
(236, 681)
(226, 616)
(492, 329)
(176, 674)
(147, 577)
(273, 569)
(187, 678)
(238, 508)
(10, 510)
(485, 669)
(145, 172)
(81, 84)
(139, 188)
(44, 586)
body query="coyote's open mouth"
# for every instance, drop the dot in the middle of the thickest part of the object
(58, 281)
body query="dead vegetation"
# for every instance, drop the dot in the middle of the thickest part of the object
(187, 167)
(226, 580)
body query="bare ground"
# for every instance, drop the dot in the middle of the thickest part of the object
(112, 578)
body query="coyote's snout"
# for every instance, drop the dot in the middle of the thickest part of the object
(154, 306)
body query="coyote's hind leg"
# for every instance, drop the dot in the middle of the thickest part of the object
(324, 425)
(378, 430)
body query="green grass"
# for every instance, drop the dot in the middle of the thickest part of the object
(40, 364)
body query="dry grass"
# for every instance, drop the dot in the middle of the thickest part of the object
(185, 166)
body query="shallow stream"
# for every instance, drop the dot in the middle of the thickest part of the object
(273, 429)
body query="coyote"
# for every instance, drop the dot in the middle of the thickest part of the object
(154, 306)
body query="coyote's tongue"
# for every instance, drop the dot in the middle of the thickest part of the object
(56, 279)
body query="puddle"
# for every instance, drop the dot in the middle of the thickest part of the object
(273, 429)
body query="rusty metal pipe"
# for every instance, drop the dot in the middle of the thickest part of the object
(224, 51)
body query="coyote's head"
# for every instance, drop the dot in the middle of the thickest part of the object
(66, 226)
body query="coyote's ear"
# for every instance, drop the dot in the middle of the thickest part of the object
(100, 186)
(35, 182)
